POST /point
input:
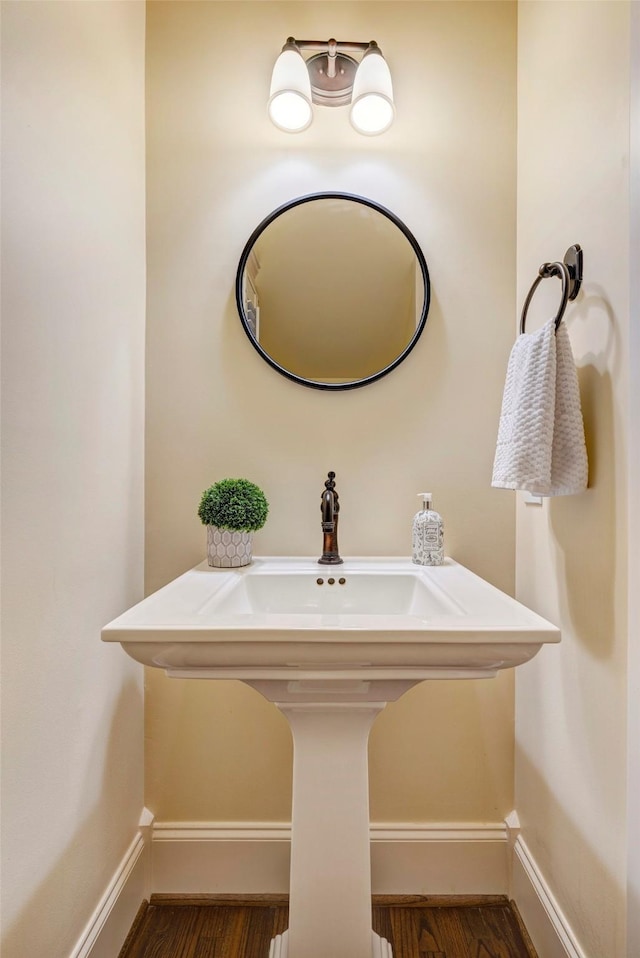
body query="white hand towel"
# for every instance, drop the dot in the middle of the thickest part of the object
(541, 445)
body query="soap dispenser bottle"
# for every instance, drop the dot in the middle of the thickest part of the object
(428, 534)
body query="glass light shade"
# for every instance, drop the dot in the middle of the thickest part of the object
(372, 109)
(290, 94)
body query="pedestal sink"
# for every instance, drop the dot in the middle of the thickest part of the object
(330, 647)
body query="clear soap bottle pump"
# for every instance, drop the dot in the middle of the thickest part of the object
(427, 534)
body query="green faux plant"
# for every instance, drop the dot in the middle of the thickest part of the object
(234, 504)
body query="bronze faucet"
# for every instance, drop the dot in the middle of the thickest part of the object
(330, 507)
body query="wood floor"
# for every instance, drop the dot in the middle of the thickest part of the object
(416, 927)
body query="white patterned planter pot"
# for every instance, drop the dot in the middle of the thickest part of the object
(226, 549)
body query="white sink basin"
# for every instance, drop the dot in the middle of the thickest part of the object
(289, 618)
(351, 592)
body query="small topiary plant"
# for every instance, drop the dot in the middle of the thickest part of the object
(234, 504)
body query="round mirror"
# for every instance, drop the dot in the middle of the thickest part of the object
(332, 290)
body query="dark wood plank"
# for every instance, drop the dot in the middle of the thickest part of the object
(166, 931)
(449, 931)
(437, 901)
(159, 898)
(380, 920)
(493, 932)
(251, 927)
(212, 933)
(439, 933)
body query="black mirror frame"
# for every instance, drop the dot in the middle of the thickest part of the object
(332, 196)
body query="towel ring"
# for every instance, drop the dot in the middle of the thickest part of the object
(569, 271)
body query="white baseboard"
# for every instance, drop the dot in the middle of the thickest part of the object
(253, 858)
(547, 925)
(109, 925)
(220, 858)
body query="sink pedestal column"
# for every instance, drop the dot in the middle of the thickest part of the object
(330, 713)
(330, 890)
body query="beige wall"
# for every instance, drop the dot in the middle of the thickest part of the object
(72, 433)
(216, 168)
(573, 121)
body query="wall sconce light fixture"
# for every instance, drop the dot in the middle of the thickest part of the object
(331, 77)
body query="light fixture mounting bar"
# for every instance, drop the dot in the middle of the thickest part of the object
(321, 46)
(331, 68)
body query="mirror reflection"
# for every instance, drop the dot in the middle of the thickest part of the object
(333, 290)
